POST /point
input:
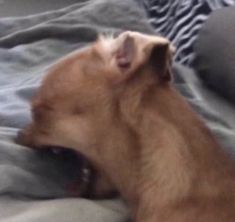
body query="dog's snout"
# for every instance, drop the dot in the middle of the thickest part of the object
(20, 137)
(24, 137)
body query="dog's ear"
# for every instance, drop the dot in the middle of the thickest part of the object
(136, 50)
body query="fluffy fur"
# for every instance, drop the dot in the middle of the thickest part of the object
(114, 102)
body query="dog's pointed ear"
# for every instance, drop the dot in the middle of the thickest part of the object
(161, 60)
(136, 50)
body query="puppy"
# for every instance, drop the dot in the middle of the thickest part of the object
(114, 103)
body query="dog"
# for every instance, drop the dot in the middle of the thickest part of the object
(114, 102)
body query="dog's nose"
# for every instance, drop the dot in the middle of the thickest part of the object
(19, 137)
(23, 138)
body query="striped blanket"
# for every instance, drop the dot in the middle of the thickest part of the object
(180, 21)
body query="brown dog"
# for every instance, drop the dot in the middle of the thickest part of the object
(114, 103)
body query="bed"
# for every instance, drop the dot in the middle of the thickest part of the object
(33, 185)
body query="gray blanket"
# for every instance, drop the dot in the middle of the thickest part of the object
(33, 186)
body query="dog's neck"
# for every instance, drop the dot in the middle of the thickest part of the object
(179, 158)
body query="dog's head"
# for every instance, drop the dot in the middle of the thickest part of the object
(91, 100)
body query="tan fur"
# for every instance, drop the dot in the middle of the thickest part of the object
(136, 130)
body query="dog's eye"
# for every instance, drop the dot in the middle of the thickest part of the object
(77, 110)
(39, 110)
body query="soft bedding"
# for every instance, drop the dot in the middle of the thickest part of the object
(215, 50)
(34, 186)
(181, 20)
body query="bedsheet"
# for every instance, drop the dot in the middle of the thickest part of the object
(33, 186)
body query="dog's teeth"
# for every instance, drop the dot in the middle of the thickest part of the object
(56, 151)
(86, 174)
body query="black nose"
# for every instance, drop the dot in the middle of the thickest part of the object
(19, 137)
(23, 138)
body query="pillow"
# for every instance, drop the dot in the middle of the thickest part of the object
(215, 52)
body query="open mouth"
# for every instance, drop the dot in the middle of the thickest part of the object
(83, 180)
(86, 171)
(86, 183)
(75, 167)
